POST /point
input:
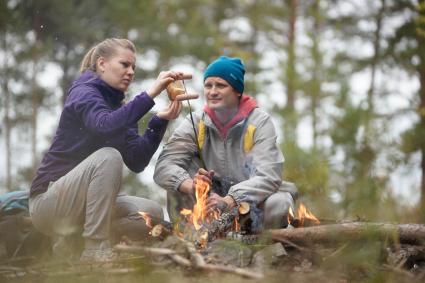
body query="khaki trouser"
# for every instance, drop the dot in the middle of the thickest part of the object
(87, 201)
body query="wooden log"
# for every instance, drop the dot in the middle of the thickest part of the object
(219, 227)
(403, 233)
(160, 231)
(244, 208)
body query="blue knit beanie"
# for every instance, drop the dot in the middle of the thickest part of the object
(230, 69)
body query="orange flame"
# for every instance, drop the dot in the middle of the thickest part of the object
(303, 214)
(199, 214)
(199, 209)
(236, 225)
(185, 212)
(147, 218)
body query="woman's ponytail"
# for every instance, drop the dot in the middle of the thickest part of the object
(106, 49)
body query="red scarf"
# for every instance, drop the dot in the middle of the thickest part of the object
(246, 105)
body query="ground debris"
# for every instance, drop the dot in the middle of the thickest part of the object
(341, 261)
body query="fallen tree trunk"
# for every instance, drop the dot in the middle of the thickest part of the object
(403, 233)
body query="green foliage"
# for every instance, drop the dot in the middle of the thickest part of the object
(309, 170)
(412, 139)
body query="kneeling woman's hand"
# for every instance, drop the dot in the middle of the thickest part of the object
(172, 111)
(164, 79)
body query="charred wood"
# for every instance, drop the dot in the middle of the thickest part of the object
(218, 228)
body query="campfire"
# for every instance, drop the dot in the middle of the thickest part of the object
(304, 217)
(198, 216)
(200, 226)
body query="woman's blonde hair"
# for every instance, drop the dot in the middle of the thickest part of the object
(106, 49)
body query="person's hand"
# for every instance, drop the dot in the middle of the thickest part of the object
(203, 175)
(216, 202)
(172, 111)
(188, 186)
(163, 79)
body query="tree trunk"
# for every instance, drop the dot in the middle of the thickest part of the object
(291, 121)
(403, 233)
(35, 105)
(7, 120)
(421, 72)
(35, 97)
(373, 67)
(66, 78)
(317, 70)
(422, 148)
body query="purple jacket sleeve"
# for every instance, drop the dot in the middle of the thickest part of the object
(140, 149)
(99, 118)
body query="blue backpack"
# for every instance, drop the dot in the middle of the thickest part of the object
(14, 202)
(18, 237)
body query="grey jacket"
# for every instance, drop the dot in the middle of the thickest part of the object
(255, 173)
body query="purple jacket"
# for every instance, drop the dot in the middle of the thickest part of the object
(94, 117)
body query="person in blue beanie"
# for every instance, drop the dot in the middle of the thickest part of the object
(76, 189)
(234, 150)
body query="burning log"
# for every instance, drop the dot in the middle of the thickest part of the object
(403, 233)
(151, 221)
(160, 231)
(304, 217)
(219, 227)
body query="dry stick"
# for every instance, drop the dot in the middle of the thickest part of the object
(144, 250)
(196, 257)
(180, 260)
(113, 271)
(338, 251)
(173, 255)
(292, 245)
(199, 263)
(405, 233)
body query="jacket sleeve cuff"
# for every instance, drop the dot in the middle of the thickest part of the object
(157, 122)
(237, 198)
(179, 180)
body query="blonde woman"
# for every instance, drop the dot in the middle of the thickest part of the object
(76, 187)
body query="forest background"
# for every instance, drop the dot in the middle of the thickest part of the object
(343, 80)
